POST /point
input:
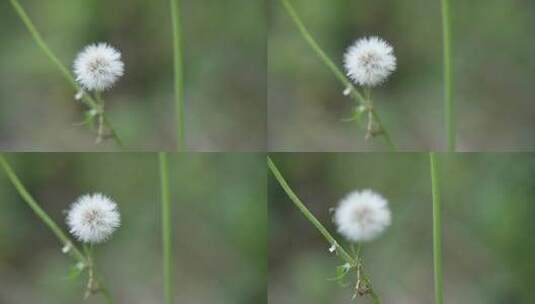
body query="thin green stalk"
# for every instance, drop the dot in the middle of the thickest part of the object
(297, 202)
(354, 92)
(449, 109)
(94, 284)
(105, 122)
(41, 43)
(39, 211)
(319, 51)
(437, 229)
(166, 229)
(64, 71)
(114, 134)
(178, 82)
(384, 131)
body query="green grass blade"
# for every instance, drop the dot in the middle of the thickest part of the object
(437, 229)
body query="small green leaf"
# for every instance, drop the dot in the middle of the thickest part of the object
(74, 272)
(341, 272)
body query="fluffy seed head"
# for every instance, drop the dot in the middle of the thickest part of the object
(93, 218)
(362, 216)
(369, 61)
(98, 66)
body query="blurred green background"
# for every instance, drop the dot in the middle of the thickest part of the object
(219, 221)
(494, 70)
(487, 221)
(225, 75)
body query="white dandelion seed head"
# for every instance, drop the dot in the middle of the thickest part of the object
(362, 216)
(369, 61)
(93, 218)
(98, 66)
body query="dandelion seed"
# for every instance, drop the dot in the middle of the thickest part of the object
(362, 216)
(347, 91)
(98, 66)
(79, 95)
(66, 248)
(369, 61)
(332, 248)
(93, 218)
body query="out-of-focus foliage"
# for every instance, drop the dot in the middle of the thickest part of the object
(493, 58)
(224, 62)
(487, 221)
(219, 228)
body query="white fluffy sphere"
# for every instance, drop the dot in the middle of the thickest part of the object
(362, 216)
(93, 218)
(369, 61)
(98, 66)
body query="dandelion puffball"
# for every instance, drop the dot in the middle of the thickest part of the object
(93, 218)
(98, 66)
(362, 215)
(369, 61)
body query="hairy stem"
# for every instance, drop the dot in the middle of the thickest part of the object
(437, 229)
(88, 100)
(354, 93)
(178, 81)
(449, 108)
(166, 229)
(41, 214)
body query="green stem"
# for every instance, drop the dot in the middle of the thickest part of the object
(105, 121)
(89, 101)
(449, 109)
(437, 229)
(355, 94)
(310, 217)
(386, 134)
(178, 81)
(166, 228)
(114, 134)
(319, 51)
(94, 280)
(77, 254)
(41, 43)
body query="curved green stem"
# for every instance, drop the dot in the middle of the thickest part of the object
(41, 214)
(354, 92)
(166, 229)
(178, 81)
(437, 229)
(449, 108)
(88, 100)
(311, 218)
